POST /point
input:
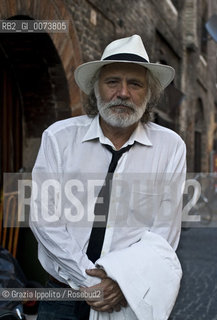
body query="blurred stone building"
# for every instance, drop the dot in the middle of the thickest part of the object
(36, 70)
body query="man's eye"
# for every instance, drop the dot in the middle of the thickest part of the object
(112, 82)
(136, 84)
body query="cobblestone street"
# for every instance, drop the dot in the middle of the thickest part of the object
(197, 299)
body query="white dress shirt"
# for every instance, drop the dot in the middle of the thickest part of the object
(146, 193)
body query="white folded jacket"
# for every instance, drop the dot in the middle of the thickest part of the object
(149, 274)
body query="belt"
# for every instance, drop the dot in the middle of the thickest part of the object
(61, 284)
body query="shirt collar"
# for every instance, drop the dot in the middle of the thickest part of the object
(140, 135)
(95, 131)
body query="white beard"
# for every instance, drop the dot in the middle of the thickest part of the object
(119, 117)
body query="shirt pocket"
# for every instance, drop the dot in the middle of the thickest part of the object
(143, 208)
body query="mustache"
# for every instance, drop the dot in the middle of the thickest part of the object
(120, 102)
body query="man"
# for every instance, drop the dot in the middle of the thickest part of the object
(129, 256)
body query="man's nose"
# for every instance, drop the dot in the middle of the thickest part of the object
(123, 91)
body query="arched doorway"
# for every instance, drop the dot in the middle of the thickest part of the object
(42, 67)
(34, 94)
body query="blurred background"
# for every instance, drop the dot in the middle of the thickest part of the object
(37, 85)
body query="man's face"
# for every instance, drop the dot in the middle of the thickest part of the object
(121, 93)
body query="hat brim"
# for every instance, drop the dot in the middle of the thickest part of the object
(84, 74)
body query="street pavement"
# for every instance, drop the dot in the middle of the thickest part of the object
(197, 299)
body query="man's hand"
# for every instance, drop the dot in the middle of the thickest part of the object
(113, 298)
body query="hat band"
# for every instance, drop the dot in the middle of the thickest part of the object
(126, 57)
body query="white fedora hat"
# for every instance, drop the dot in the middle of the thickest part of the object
(130, 50)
